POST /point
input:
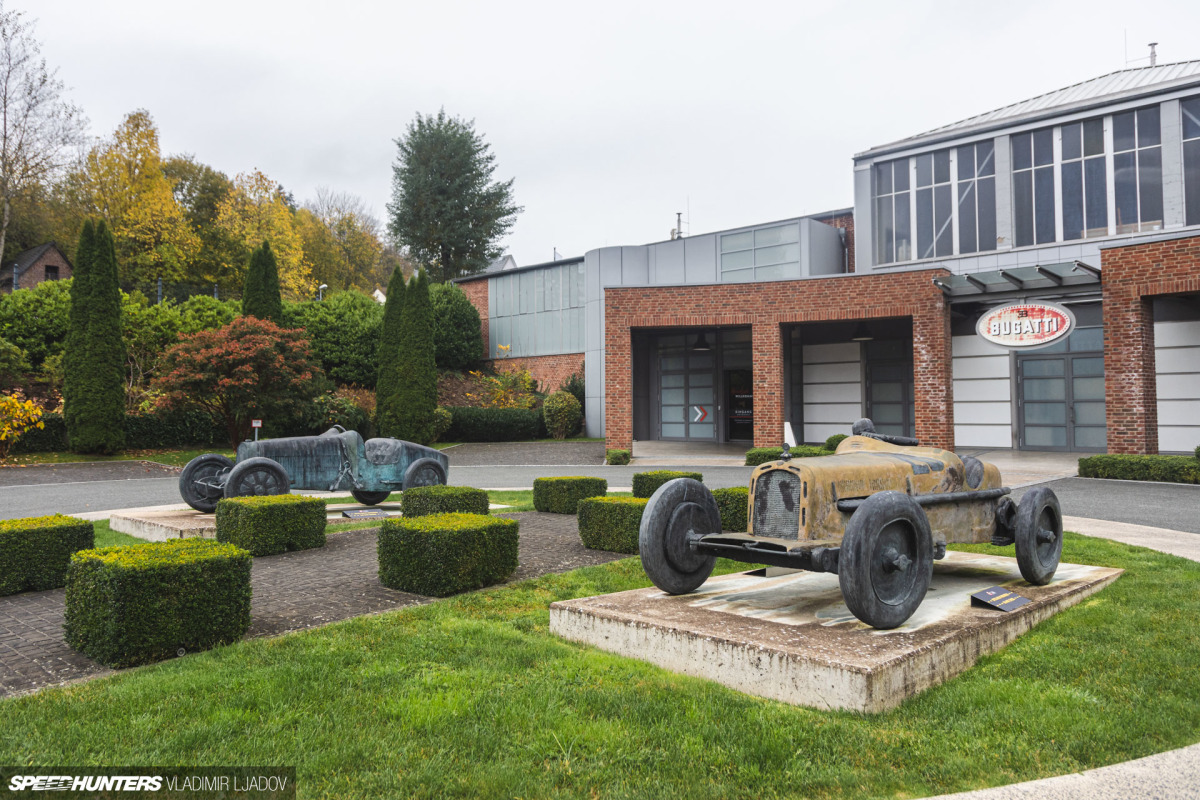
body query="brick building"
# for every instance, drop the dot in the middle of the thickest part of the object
(42, 263)
(1084, 201)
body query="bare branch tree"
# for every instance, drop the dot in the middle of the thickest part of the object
(40, 132)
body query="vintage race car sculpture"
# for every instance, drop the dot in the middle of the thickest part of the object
(877, 513)
(336, 460)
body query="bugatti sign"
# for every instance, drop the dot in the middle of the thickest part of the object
(1025, 326)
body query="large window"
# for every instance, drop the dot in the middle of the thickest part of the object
(1033, 187)
(1191, 159)
(935, 237)
(893, 219)
(766, 254)
(976, 197)
(1084, 180)
(1137, 170)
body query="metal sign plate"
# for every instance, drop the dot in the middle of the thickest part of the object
(1025, 326)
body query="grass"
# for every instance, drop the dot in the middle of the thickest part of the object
(472, 697)
(173, 458)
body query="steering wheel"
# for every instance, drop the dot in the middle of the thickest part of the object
(864, 427)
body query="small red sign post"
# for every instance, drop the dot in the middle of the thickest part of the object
(256, 424)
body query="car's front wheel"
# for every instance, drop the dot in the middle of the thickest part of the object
(678, 510)
(886, 559)
(1039, 535)
(200, 481)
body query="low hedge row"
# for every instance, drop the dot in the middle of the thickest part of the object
(647, 483)
(142, 432)
(272, 524)
(761, 455)
(734, 505)
(421, 501)
(35, 551)
(611, 523)
(1169, 469)
(442, 554)
(494, 425)
(617, 458)
(134, 605)
(562, 495)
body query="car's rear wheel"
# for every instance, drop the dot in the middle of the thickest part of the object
(886, 560)
(424, 472)
(678, 510)
(199, 483)
(257, 476)
(1039, 535)
(369, 498)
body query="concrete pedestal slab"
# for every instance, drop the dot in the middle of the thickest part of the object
(159, 525)
(791, 638)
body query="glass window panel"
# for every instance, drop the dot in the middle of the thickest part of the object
(884, 241)
(700, 378)
(1150, 188)
(966, 162)
(1072, 200)
(779, 254)
(883, 178)
(673, 396)
(924, 223)
(985, 162)
(1087, 366)
(1092, 438)
(739, 260)
(887, 412)
(1045, 414)
(667, 342)
(702, 430)
(945, 230)
(674, 414)
(1190, 109)
(1088, 389)
(700, 360)
(1084, 339)
(1040, 367)
(1059, 346)
(1043, 191)
(1093, 137)
(738, 275)
(1043, 147)
(1022, 153)
(903, 229)
(668, 381)
(1091, 413)
(780, 234)
(1123, 128)
(892, 372)
(900, 179)
(1191, 181)
(966, 218)
(1149, 131)
(924, 169)
(1023, 208)
(1046, 437)
(701, 396)
(736, 335)
(941, 166)
(737, 241)
(1096, 196)
(672, 363)
(1045, 389)
(985, 189)
(673, 430)
(884, 392)
(1072, 141)
(770, 273)
(1125, 188)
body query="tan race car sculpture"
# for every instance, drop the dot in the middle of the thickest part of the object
(877, 513)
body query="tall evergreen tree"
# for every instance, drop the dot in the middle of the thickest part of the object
(389, 377)
(96, 423)
(417, 392)
(260, 294)
(75, 349)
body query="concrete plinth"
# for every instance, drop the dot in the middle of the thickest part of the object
(159, 525)
(791, 638)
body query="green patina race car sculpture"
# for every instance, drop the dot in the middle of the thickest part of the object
(877, 513)
(337, 460)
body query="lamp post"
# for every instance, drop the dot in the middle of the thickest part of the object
(321, 291)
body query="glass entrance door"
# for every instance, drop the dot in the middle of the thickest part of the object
(739, 403)
(1062, 402)
(687, 392)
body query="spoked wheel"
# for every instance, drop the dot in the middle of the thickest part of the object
(1039, 535)
(679, 508)
(886, 560)
(257, 476)
(424, 472)
(200, 481)
(369, 498)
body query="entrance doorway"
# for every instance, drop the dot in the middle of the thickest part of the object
(700, 385)
(1061, 394)
(889, 390)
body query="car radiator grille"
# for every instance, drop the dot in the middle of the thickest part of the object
(777, 505)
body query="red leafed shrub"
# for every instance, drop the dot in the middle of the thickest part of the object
(249, 369)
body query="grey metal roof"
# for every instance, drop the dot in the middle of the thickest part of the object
(1119, 85)
(1065, 276)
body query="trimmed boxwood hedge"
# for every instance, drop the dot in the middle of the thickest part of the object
(1170, 469)
(647, 483)
(142, 432)
(442, 554)
(35, 551)
(421, 501)
(272, 524)
(761, 455)
(135, 605)
(734, 505)
(494, 424)
(611, 523)
(617, 458)
(562, 495)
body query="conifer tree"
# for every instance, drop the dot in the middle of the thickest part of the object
(260, 293)
(74, 352)
(417, 391)
(388, 381)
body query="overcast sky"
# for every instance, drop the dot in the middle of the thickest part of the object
(610, 116)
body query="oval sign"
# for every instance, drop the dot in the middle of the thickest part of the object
(1024, 326)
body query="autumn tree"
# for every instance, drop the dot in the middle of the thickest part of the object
(199, 190)
(39, 129)
(260, 293)
(256, 210)
(445, 208)
(250, 368)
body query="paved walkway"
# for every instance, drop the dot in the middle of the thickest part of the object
(292, 591)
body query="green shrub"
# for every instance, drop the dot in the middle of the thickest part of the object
(734, 505)
(576, 386)
(35, 551)
(1198, 451)
(457, 330)
(166, 429)
(761, 455)
(563, 414)
(562, 495)
(134, 605)
(442, 554)
(611, 523)
(832, 442)
(494, 424)
(343, 332)
(421, 501)
(442, 419)
(1170, 469)
(617, 458)
(272, 524)
(647, 483)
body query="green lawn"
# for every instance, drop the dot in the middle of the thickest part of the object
(472, 697)
(174, 458)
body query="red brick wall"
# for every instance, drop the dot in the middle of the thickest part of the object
(1133, 275)
(477, 293)
(36, 273)
(843, 221)
(768, 306)
(550, 371)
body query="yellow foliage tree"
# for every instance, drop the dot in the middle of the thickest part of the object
(255, 211)
(17, 415)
